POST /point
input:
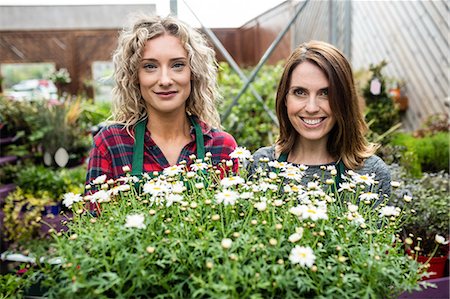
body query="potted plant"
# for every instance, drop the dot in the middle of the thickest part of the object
(60, 77)
(198, 231)
(38, 197)
(427, 219)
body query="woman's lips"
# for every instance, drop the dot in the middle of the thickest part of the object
(313, 121)
(166, 94)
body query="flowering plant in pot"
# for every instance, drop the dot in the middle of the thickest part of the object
(426, 225)
(201, 231)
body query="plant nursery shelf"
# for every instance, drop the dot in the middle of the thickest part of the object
(441, 290)
(7, 159)
(5, 190)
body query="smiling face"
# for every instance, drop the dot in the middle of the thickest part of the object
(164, 75)
(307, 103)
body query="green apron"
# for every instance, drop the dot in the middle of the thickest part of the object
(340, 168)
(137, 168)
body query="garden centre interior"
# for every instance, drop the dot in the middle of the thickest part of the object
(55, 94)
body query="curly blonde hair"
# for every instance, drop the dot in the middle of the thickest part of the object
(347, 138)
(128, 104)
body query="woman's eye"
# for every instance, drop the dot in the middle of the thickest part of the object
(179, 65)
(324, 93)
(299, 92)
(149, 66)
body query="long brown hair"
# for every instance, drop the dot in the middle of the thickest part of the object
(347, 138)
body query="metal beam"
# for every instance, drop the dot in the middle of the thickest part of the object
(264, 58)
(173, 7)
(233, 65)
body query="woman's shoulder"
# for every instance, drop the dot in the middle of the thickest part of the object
(112, 132)
(265, 152)
(375, 164)
(110, 129)
(222, 137)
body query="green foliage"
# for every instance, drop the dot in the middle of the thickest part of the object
(39, 180)
(248, 122)
(36, 179)
(188, 243)
(37, 187)
(429, 153)
(41, 126)
(23, 211)
(381, 112)
(431, 209)
(13, 286)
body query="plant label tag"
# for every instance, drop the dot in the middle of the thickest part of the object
(375, 86)
(48, 159)
(61, 157)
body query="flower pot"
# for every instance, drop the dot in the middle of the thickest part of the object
(437, 265)
(52, 209)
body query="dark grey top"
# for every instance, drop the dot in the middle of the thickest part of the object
(373, 164)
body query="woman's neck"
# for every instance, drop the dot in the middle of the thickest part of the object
(169, 127)
(311, 153)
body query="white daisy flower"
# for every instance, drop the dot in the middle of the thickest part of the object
(440, 240)
(261, 206)
(226, 243)
(314, 213)
(240, 153)
(232, 181)
(99, 180)
(227, 197)
(369, 196)
(277, 165)
(154, 188)
(172, 198)
(198, 166)
(395, 184)
(364, 178)
(388, 211)
(173, 170)
(70, 198)
(246, 195)
(302, 255)
(100, 196)
(135, 221)
(295, 237)
(346, 186)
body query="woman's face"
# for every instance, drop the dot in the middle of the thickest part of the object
(307, 103)
(164, 75)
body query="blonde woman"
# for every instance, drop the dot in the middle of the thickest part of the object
(164, 102)
(320, 117)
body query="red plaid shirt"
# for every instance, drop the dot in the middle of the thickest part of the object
(113, 149)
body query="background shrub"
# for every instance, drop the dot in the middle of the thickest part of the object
(248, 122)
(426, 154)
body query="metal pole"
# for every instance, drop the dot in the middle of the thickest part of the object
(173, 7)
(333, 22)
(348, 29)
(233, 65)
(263, 59)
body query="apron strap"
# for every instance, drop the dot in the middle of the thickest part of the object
(200, 142)
(137, 167)
(340, 167)
(283, 157)
(138, 148)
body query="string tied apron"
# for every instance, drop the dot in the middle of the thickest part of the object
(137, 167)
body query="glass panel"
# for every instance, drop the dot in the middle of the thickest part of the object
(28, 81)
(102, 74)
